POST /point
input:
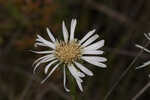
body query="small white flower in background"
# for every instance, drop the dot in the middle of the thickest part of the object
(146, 50)
(69, 53)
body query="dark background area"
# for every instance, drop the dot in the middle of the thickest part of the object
(122, 23)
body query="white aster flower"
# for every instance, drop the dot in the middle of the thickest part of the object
(146, 50)
(69, 53)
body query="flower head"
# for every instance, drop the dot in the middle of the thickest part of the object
(146, 50)
(69, 53)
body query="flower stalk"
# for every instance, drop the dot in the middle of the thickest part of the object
(72, 87)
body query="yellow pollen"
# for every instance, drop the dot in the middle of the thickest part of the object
(67, 52)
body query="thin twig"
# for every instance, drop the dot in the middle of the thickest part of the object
(51, 86)
(26, 89)
(124, 52)
(141, 91)
(123, 74)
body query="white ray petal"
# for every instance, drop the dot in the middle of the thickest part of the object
(42, 61)
(94, 58)
(50, 35)
(95, 46)
(49, 65)
(65, 32)
(50, 73)
(77, 78)
(39, 44)
(144, 65)
(87, 36)
(147, 36)
(79, 85)
(96, 63)
(45, 43)
(84, 69)
(92, 52)
(148, 51)
(46, 59)
(80, 74)
(90, 40)
(73, 73)
(49, 59)
(72, 29)
(43, 57)
(65, 79)
(48, 43)
(43, 52)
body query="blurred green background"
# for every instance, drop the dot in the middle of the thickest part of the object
(122, 23)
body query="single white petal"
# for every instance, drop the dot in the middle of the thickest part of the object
(95, 46)
(79, 85)
(73, 73)
(87, 36)
(142, 48)
(65, 32)
(92, 52)
(80, 74)
(147, 36)
(39, 59)
(45, 43)
(96, 63)
(48, 43)
(43, 57)
(144, 65)
(94, 58)
(77, 78)
(49, 59)
(72, 29)
(65, 80)
(49, 65)
(39, 44)
(90, 40)
(84, 69)
(50, 35)
(42, 61)
(50, 73)
(42, 52)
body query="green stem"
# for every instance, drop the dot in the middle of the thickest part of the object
(72, 87)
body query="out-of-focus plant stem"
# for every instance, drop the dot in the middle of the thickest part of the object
(124, 73)
(72, 87)
(141, 91)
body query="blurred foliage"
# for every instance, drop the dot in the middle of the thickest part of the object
(120, 22)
